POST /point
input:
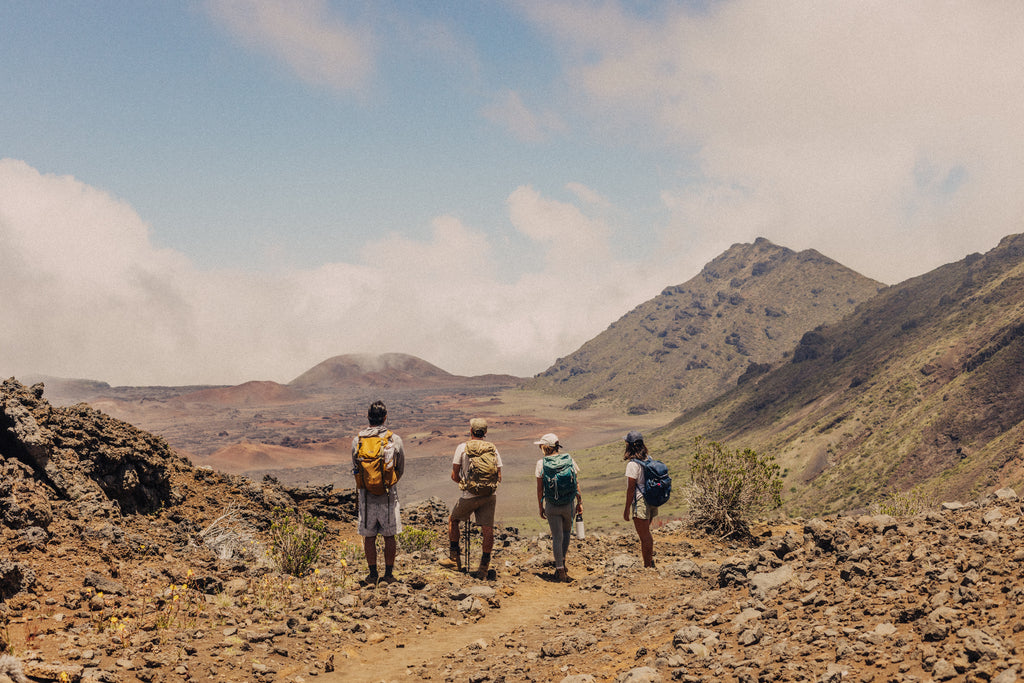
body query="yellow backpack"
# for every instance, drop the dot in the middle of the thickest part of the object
(374, 471)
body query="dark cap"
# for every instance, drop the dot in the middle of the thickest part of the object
(634, 436)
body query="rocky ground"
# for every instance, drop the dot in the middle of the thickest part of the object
(121, 562)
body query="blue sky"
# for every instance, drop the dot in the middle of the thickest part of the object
(224, 190)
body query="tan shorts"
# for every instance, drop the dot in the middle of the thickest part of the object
(642, 510)
(481, 507)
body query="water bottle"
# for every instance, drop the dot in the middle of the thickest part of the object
(579, 526)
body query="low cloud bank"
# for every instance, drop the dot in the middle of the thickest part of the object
(87, 294)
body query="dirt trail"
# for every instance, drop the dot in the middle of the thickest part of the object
(391, 659)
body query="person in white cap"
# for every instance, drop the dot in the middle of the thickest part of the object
(558, 498)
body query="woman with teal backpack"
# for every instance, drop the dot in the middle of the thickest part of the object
(558, 498)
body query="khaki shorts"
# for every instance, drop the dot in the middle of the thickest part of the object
(481, 507)
(641, 510)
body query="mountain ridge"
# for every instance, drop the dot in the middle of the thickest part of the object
(922, 387)
(747, 307)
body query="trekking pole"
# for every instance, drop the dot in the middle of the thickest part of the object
(467, 533)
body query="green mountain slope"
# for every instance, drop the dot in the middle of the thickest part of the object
(745, 309)
(922, 386)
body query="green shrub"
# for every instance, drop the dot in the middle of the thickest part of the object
(413, 540)
(295, 541)
(727, 487)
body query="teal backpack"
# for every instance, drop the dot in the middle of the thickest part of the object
(559, 479)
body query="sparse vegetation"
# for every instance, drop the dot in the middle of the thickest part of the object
(903, 504)
(350, 554)
(416, 540)
(295, 541)
(227, 536)
(727, 487)
(178, 607)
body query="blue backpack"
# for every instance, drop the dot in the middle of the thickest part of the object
(657, 484)
(559, 479)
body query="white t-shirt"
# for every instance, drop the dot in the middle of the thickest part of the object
(462, 461)
(634, 471)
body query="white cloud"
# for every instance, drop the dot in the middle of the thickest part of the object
(882, 134)
(86, 294)
(885, 135)
(510, 112)
(588, 195)
(319, 47)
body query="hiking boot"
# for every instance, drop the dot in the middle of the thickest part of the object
(561, 575)
(388, 578)
(454, 559)
(371, 579)
(485, 564)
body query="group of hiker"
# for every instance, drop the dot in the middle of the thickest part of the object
(378, 461)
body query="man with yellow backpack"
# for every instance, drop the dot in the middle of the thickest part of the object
(378, 462)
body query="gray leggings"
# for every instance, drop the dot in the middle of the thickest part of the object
(560, 519)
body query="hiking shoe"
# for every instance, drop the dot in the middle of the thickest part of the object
(480, 573)
(370, 580)
(453, 564)
(561, 575)
(388, 578)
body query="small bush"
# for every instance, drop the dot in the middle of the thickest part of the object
(415, 540)
(295, 541)
(727, 487)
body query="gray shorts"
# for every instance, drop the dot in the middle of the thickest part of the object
(481, 507)
(379, 515)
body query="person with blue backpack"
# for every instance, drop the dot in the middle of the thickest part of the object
(647, 487)
(558, 498)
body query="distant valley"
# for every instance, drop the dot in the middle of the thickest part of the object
(858, 389)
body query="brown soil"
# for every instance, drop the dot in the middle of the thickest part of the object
(122, 562)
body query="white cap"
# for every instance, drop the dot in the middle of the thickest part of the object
(547, 440)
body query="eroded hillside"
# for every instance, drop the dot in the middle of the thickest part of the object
(746, 309)
(922, 386)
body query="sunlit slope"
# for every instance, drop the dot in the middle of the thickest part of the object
(923, 385)
(746, 308)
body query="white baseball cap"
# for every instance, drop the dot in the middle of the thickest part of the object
(547, 440)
